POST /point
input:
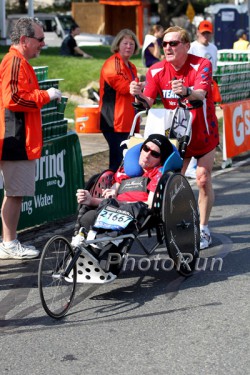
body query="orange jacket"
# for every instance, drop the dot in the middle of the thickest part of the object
(20, 104)
(116, 108)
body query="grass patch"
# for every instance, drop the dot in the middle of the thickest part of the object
(70, 113)
(76, 72)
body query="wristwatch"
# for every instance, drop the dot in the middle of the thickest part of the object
(189, 92)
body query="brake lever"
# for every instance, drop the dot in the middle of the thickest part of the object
(138, 106)
(195, 104)
(140, 99)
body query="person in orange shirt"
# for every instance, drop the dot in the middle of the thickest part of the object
(117, 112)
(20, 129)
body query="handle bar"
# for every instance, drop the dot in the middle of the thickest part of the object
(141, 102)
(194, 104)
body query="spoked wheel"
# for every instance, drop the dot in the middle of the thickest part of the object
(181, 223)
(56, 290)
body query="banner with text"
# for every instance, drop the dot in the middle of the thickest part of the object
(59, 173)
(236, 128)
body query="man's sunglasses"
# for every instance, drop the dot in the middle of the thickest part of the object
(40, 40)
(172, 43)
(153, 153)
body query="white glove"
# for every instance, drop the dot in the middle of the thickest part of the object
(54, 94)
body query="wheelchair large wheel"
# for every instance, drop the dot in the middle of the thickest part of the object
(56, 290)
(181, 223)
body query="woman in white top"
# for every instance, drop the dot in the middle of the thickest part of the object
(151, 49)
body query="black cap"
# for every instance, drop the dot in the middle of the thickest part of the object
(164, 144)
(240, 32)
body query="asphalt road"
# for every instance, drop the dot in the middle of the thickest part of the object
(144, 322)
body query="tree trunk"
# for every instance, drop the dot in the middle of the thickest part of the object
(22, 7)
(166, 12)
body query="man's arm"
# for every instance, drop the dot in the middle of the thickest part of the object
(150, 199)
(79, 51)
(186, 92)
(84, 196)
(202, 83)
(19, 94)
(136, 90)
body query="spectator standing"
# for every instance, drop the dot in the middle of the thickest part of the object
(202, 47)
(69, 46)
(242, 42)
(189, 76)
(117, 112)
(20, 129)
(151, 49)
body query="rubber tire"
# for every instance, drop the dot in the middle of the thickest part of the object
(56, 294)
(181, 223)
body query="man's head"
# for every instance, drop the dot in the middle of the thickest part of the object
(154, 151)
(75, 30)
(241, 34)
(28, 37)
(204, 32)
(176, 43)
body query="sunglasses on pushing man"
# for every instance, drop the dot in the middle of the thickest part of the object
(172, 43)
(153, 153)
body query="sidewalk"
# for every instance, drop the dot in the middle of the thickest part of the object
(92, 143)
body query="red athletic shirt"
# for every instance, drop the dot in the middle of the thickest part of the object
(153, 176)
(196, 73)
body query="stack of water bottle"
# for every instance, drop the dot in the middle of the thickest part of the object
(233, 75)
(53, 122)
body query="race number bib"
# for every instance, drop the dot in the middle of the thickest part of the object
(113, 218)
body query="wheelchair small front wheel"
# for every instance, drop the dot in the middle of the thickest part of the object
(56, 291)
(181, 223)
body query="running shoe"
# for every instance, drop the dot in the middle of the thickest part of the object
(205, 240)
(18, 251)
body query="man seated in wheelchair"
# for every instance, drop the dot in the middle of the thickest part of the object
(123, 207)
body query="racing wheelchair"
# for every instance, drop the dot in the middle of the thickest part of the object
(172, 220)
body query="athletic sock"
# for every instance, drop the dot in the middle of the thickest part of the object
(205, 229)
(9, 244)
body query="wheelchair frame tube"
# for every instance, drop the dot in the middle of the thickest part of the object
(138, 115)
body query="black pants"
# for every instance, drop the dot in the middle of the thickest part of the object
(114, 140)
(87, 214)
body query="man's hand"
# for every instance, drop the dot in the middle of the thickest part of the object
(86, 56)
(109, 193)
(84, 197)
(136, 88)
(178, 88)
(54, 94)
